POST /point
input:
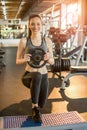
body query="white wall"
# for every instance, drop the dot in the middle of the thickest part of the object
(9, 42)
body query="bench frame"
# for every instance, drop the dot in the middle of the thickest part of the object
(75, 70)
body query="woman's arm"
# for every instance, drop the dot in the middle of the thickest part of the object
(20, 59)
(49, 56)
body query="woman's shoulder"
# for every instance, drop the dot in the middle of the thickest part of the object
(48, 41)
(23, 40)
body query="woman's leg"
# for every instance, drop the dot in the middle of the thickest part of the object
(35, 87)
(35, 90)
(43, 90)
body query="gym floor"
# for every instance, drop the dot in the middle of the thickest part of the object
(15, 98)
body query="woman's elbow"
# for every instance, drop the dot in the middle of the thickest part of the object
(17, 61)
(51, 61)
(20, 61)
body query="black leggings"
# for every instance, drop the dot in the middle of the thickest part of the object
(39, 88)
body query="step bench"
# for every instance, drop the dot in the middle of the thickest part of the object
(48, 120)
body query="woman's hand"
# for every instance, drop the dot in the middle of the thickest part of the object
(27, 57)
(47, 56)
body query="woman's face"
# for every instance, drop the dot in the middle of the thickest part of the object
(35, 25)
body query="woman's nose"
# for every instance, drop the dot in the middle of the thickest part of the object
(35, 26)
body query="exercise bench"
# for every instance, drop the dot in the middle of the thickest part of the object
(74, 70)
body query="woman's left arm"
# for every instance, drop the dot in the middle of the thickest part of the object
(49, 55)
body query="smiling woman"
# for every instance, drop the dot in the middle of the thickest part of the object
(39, 77)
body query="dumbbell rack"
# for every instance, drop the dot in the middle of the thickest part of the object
(60, 57)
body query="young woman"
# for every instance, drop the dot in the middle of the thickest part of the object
(39, 84)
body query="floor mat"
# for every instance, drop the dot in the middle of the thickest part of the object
(47, 120)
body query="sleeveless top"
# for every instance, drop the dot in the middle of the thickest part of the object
(29, 47)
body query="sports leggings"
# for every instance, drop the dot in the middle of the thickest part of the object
(39, 88)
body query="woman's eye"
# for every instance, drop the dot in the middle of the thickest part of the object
(33, 24)
(38, 24)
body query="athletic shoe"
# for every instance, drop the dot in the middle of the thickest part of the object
(36, 115)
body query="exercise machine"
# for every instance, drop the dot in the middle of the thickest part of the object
(74, 70)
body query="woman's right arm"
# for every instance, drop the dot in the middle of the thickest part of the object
(20, 58)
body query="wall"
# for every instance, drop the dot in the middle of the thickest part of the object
(9, 42)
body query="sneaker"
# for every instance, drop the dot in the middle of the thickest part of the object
(36, 115)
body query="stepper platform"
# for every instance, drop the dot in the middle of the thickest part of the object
(47, 120)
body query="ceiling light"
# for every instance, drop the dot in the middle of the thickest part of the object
(4, 9)
(3, 2)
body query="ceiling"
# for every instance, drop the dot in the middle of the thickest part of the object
(15, 9)
(20, 9)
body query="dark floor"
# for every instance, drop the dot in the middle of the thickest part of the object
(15, 98)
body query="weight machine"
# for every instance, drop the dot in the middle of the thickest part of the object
(77, 70)
(62, 61)
(74, 70)
(81, 53)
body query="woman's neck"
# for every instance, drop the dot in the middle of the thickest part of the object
(36, 40)
(36, 36)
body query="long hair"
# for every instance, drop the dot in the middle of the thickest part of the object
(31, 17)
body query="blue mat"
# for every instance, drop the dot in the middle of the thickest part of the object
(19, 121)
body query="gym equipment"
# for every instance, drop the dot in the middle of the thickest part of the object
(48, 120)
(62, 38)
(77, 126)
(85, 53)
(85, 30)
(59, 38)
(2, 64)
(85, 47)
(26, 79)
(63, 65)
(51, 30)
(36, 59)
(74, 70)
(72, 52)
(81, 52)
(72, 42)
(71, 30)
(74, 48)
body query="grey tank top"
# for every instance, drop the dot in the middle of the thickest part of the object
(30, 46)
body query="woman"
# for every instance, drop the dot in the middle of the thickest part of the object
(39, 86)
